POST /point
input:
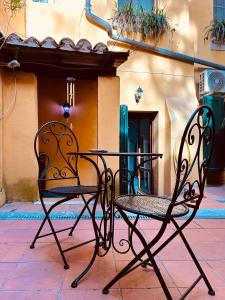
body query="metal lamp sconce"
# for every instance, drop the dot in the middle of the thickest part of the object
(70, 96)
(138, 94)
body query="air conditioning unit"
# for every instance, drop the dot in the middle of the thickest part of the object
(212, 82)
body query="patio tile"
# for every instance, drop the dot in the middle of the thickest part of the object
(194, 224)
(142, 278)
(26, 295)
(42, 252)
(151, 224)
(120, 224)
(202, 294)
(5, 270)
(220, 223)
(19, 224)
(12, 252)
(153, 294)
(86, 294)
(98, 276)
(209, 250)
(175, 250)
(39, 274)
(151, 233)
(85, 252)
(17, 235)
(122, 234)
(218, 267)
(127, 255)
(184, 273)
(35, 276)
(205, 235)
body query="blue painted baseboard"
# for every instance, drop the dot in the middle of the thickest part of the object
(29, 215)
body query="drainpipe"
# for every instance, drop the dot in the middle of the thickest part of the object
(143, 46)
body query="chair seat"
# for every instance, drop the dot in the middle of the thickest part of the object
(73, 190)
(150, 205)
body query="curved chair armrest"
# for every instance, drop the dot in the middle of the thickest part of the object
(94, 164)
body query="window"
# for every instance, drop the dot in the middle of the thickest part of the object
(145, 4)
(41, 1)
(219, 9)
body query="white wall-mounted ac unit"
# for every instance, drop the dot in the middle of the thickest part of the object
(212, 82)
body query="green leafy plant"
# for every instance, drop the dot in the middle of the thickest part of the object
(216, 31)
(14, 5)
(151, 24)
(154, 23)
(125, 18)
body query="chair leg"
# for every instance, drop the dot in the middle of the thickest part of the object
(138, 257)
(74, 284)
(128, 268)
(86, 206)
(95, 227)
(37, 234)
(66, 266)
(77, 220)
(202, 273)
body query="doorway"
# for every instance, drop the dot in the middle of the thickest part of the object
(140, 139)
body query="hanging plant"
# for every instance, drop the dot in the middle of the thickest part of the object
(125, 19)
(14, 5)
(152, 24)
(216, 32)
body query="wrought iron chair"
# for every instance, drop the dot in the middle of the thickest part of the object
(58, 177)
(185, 201)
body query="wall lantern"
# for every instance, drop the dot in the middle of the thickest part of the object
(138, 94)
(70, 96)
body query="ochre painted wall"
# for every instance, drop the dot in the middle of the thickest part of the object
(201, 15)
(159, 77)
(83, 119)
(162, 79)
(108, 118)
(2, 190)
(12, 22)
(50, 17)
(20, 124)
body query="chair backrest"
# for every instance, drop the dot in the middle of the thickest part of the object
(192, 165)
(52, 142)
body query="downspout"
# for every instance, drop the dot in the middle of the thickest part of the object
(140, 45)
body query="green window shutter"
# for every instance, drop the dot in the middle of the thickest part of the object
(216, 103)
(123, 147)
(123, 128)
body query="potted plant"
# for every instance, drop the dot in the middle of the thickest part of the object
(150, 24)
(216, 32)
(154, 23)
(14, 5)
(124, 19)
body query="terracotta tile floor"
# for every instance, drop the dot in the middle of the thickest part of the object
(38, 274)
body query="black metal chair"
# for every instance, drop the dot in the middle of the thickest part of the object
(185, 201)
(58, 177)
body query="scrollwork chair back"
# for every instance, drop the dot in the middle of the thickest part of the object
(51, 144)
(191, 173)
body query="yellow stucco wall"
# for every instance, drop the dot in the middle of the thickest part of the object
(12, 22)
(2, 190)
(163, 80)
(201, 15)
(108, 116)
(60, 19)
(20, 123)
